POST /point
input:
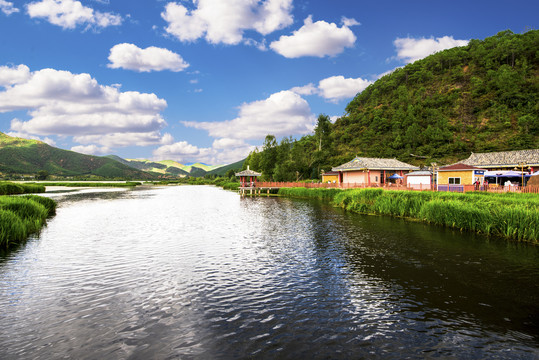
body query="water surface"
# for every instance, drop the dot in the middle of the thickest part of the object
(198, 272)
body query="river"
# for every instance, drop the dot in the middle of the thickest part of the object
(196, 272)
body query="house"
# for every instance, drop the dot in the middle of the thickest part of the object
(248, 177)
(419, 180)
(523, 160)
(330, 176)
(371, 171)
(459, 174)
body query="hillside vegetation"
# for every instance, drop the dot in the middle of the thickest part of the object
(477, 98)
(28, 157)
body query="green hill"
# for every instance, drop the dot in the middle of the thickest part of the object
(477, 98)
(481, 97)
(222, 170)
(26, 157)
(158, 168)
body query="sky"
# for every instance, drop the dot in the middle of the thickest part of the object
(207, 80)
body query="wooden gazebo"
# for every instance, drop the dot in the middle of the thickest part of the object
(248, 178)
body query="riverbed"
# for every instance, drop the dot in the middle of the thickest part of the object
(197, 272)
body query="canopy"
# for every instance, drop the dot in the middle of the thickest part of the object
(533, 174)
(511, 174)
(395, 176)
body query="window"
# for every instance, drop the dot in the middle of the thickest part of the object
(454, 181)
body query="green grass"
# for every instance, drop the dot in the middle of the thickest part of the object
(513, 216)
(91, 184)
(9, 188)
(21, 216)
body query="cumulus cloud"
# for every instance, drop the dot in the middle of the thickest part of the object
(68, 14)
(91, 149)
(66, 104)
(7, 7)
(410, 49)
(334, 88)
(282, 114)
(131, 57)
(13, 75)
(223, 151)
(316, 39)
(226, 21)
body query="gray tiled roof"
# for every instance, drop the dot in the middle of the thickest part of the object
(248, 173)
(504, 158)
(360, 163)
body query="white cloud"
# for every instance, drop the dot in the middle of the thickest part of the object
(131, 57)
(7, 7)
(227, 143)
(124, 139)
(282, 114)
(13, 75)
(223, 151)
(410, 49)
(349, 22)
(336, 88)
(65, 104)
(309, 89)
(178, 150)
(91, 149)
(70, 13)
(225, 22)
(315, 39)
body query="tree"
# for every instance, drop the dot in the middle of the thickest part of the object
(269, 156)
(42, 175)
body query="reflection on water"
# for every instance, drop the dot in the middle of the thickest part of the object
(198, 272)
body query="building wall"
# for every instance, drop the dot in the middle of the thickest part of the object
(332, 178)
(466, 177)
(362, 177)
(418, 180)
(351, 177)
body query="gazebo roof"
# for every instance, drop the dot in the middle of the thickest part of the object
(362, 163)
(248, 173)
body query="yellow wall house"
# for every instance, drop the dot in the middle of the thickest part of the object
(460, 174)
(330, 176)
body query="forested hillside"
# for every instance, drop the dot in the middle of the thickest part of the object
(29, 157)
(478, 98)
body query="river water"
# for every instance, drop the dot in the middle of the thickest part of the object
(196, 272)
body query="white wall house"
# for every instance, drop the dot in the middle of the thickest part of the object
(419, 180)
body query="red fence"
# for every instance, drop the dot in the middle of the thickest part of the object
(455, 188)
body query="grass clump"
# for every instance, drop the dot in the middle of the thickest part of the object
(21, 216)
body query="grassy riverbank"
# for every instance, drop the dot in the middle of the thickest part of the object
(512, 215)
(86, 184)
(21, 216)
(9, 188)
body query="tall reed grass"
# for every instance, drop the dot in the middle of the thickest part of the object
(21, 216)
(514, 216)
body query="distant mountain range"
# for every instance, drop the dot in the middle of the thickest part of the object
(24, 157)
(20, 156)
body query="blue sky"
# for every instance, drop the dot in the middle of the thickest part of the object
(207, 80)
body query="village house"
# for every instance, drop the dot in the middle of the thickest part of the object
(371, 171)
(459, 175)
(419, 180)
(330, 176)
(522, 160)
